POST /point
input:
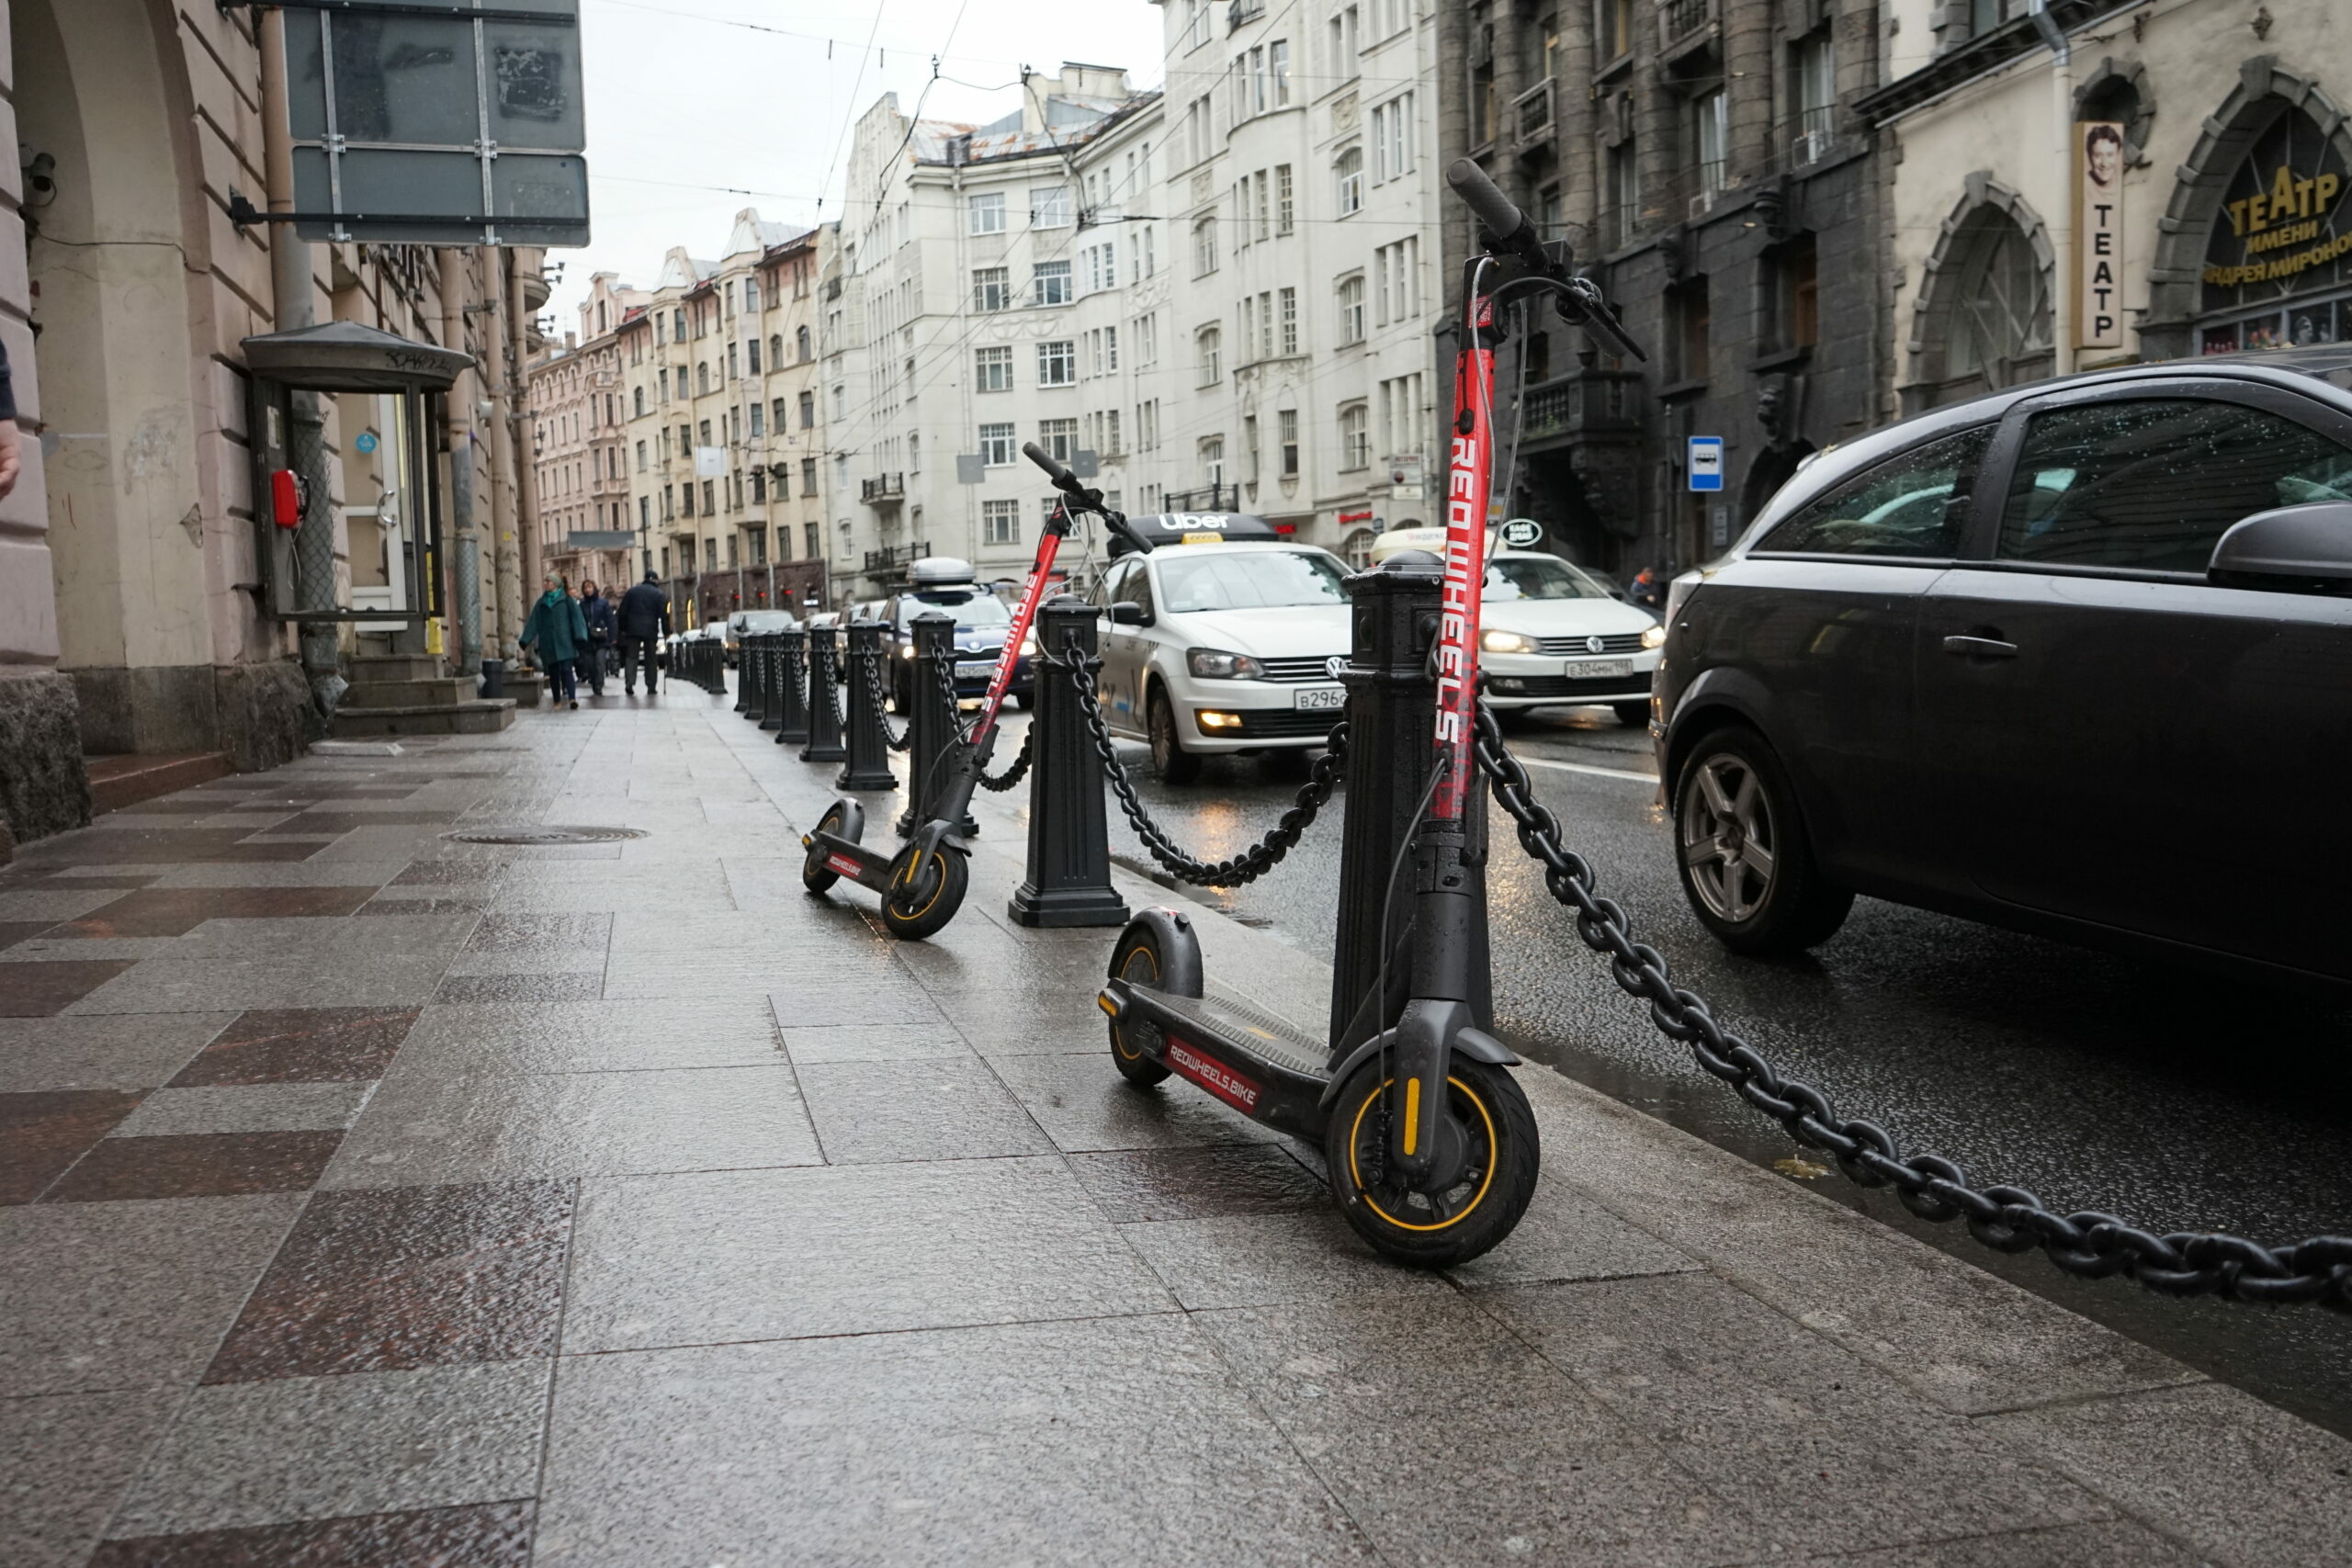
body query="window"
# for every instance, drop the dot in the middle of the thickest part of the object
(1796, 300)
(1208, 345)
(710, 555)
(814, 541)
(1347, 43)
(1613, 28)
(1914, 504)
(1687, 306)
(677, 326)
(2151, 484)
(992, 288)
(709, 494)
(1147, 425)
(1058, 363)
(1102, 266)
(1196, 119)
(1813, 82)
(808, 410)
(1058, 437)
(1050, 284)
(992, 370)
(1392, 140)
(701, 376)
(751, 356)
(1398, 267)
(841, 404)
(640, 392)
(806, 353)
(1351, 323)
(1400, 415)
(1278, 71)
(1146, 339)
(644, 513)
(1286, 200)
(1000, 522)
(996, 445)
(758, 414)
(1197, 19)
(759, 493)
(776, 415)
(1625, 196)
(1212, 453)
(1286, 437)
(1203, 246)
(1049, 206)
(1290, 320)
(986, 212)
(1355, 437)
(1349, 170)
(640, 457)
(775, 350)
(1711, 142)
(809, 487)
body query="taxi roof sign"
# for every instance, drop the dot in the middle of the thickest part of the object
(1165, 528)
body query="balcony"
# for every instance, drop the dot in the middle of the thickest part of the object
(883, 489)
(1207, 498)
(884, 563)
(1583, 404)
(1241, 13)
(1533, 118)
(1683, 25)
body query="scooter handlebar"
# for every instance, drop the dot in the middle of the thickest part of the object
(1063, 479)
(1082, 499)
(1505, 224)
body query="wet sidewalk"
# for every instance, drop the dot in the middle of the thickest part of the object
(370, 1197)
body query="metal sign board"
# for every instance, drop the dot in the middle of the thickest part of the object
(710, 462)
(600, 538)
(1705, 466)
(454, 122)
(971, 467)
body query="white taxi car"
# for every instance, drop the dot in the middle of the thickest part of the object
(1226, 637)
(1553, 634)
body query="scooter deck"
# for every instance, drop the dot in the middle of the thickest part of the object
(853, 860)
(1253, 1060)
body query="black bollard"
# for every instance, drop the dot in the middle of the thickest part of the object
(744, 678)
(771, 679)
(1068, 880)
(869, 752)
(1392, 704)
(824, 720)
(754, 667)
(792, 718)
(931, 722)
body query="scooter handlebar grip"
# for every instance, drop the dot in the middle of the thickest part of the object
(1484, 198)
(1063, 479)
(1117, 522)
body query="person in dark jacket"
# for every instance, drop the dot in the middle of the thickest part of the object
(559, 633)
(596, 612)
(644, 622)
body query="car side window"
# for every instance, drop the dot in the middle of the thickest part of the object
(1106, 588)
(1136, 587)
(2151, 483)
(1912, 504)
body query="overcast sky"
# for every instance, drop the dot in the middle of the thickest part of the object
(684, 98)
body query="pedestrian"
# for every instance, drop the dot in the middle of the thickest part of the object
(11, 460)
(644, 619)
(597, 613)
(556, 627)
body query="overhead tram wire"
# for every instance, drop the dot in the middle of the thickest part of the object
(849, 119)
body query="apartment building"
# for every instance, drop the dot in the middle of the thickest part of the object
(987, 292)
(1301, 194)
(721, 430)
(578, 449)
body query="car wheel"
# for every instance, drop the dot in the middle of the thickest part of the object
(1632, 715)
(1169, 758)
(1741, 850)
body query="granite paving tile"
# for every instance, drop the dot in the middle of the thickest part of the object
(176, 912)
(1198, 1184)
(984, 1445)
(51, 902)
(301, 1045)
(393, 1278)
(273, 982)
(2120, 1543)
(41, 991)
(578, 984)
(127, 1295)
(1085, 1105)
(874, 1043)
(297, 874)
(163, 849)
(1267, 1259)
(14, 932)
(694, 1260)
(812, 1005)
(483, 1535)
(246, 1108)
(119, 1052)
(42, 1133)
(195, 1165)
(1567, 1236)
(592, 1037)
(64, 1459)
(942, 1108)
(446, 873)
(1531, 1466)
(263, 1453)
(431, 1128)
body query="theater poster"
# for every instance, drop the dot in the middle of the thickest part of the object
(2099, 234)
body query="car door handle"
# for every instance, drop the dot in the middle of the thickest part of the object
(1980, 648)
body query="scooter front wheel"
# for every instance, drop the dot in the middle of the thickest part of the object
(815, 874)
(1489, 1156)
(1138, 959)
(921, 901)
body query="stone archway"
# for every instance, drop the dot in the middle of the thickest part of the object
(2263, 93)
(1946, 365)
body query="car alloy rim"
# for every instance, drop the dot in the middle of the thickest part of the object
(1163, 733)
(1729, 841)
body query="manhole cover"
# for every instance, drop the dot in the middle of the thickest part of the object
(544, 835)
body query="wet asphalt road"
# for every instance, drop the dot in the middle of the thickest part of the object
(2172, 1099)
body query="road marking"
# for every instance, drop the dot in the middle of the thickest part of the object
(1587, 768)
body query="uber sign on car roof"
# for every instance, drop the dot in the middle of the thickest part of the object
(1198, 528)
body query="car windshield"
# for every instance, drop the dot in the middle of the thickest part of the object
(1536, 577)
(970, 606)
(1253, 579)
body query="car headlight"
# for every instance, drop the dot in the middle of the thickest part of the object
(1506, 642)
(1654, 637)
(1215, 664)
(906, 650)
(1028, 645)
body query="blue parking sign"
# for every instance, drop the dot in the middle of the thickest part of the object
(1705, 465)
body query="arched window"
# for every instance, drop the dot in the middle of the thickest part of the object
(1984, 314)
(805, 354)
(1356, 549)
(701, 376)
(776, 350)
(1350, 169)
(640, 400)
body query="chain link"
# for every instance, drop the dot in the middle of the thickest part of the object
(2008, 1219)
(1234, 871)
(1012, 775)
(904, 738)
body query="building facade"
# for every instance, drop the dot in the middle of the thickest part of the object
(1704, 161)
(578, 444)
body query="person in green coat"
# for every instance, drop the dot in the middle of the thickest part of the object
(561, 634)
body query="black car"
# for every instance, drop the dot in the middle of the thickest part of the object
(942, 585)
(2075, 658)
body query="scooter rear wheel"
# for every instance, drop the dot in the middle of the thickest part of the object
(1138, 958)
(815, 874)
(920, 903)
(1499, 1157)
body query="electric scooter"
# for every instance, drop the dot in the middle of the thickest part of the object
(923, 885)
(1429, 1144)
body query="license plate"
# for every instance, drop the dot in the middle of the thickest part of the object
(1313, 701)
(1598, 669)
(976, 667)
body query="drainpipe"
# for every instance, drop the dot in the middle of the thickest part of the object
(527, 476)
(291, 308)
(2062, 223)
(465, 543)
(506, 554)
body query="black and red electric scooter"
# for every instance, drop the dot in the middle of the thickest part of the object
(1431, 1145)
(922, 885)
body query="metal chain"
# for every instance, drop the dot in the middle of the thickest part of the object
(905, 738)
(1234, 871)
(2008, 1219)
(1012, 775)
(833, 694)
(943, 673)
